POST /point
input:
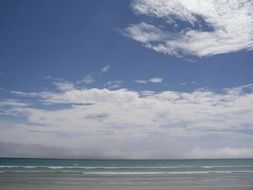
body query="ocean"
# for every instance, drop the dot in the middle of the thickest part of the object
(123, 172)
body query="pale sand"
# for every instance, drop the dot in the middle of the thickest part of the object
(116, 187)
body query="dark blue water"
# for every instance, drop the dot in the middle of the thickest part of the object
(219, 171)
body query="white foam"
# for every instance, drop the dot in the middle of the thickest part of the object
(55, 167)
(228, 166)
(28, 167)
(99, 167)
(164, 173)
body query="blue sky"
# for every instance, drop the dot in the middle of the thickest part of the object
(151, 71)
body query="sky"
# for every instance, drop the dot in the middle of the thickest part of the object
(135, 79)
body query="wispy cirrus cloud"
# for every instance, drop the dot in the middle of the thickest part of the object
(151, 80)
(132, 124)
(212, 27)
(88, 79)
(92, 77)
(114, 84)
(106, 68)
(64, 85)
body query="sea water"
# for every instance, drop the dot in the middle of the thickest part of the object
(168, 172)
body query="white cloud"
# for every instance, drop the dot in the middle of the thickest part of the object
(94, 76)
(156, 80)
(88, 79)
(132, 124)
(187, 83)
(114, 84)
(64, 85)
(151, 80)
(223, 152)
(141, 81)
(106, 68)
(231, 22)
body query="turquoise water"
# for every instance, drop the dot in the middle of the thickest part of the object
(219, 171)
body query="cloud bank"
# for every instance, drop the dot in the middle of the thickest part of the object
(194, 27)
(103, 123)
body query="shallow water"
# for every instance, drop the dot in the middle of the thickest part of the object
(126, 172)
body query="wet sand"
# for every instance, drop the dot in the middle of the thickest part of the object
(116, 187)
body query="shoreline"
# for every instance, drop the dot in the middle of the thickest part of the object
(119, 187)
